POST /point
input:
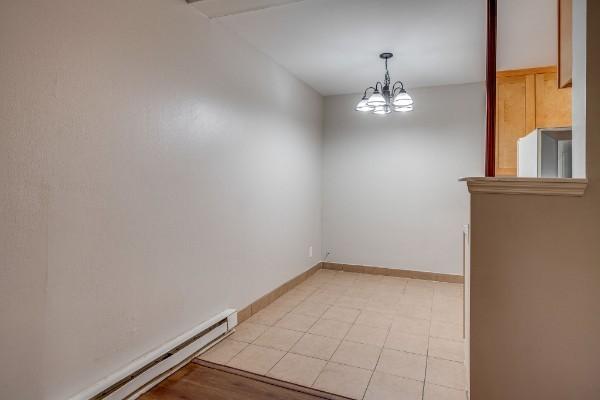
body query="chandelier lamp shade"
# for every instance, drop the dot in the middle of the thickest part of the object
(381, 99)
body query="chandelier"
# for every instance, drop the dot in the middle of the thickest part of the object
(384, 100)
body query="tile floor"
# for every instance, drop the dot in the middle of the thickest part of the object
(362, 336)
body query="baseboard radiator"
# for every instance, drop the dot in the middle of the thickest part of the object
(158, 364)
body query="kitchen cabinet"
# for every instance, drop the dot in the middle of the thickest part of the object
(526, 99)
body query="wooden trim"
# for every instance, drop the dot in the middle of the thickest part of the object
(537, 186)
(401, 273)
(273, 295)
(270, 381)
(526, 71)
(491, 96)
(566, 36)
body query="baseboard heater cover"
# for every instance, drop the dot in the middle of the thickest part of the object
(145, 369)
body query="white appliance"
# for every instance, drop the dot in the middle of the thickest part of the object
(545, 153)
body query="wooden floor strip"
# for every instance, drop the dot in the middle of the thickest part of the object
(207, 381)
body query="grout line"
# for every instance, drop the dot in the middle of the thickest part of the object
(378, 358)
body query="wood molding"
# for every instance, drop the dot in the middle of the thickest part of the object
(400, 273)
(273, 295)
(565, 44)
(491, 90)
(526, 71)
(537, 186)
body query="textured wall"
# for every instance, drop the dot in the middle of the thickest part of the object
(391, 195)
(154, 170)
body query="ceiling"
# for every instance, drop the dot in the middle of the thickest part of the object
(333, 45)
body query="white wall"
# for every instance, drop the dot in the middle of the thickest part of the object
(579, 87)
(154, 170)
(391, 191)
(527, 34)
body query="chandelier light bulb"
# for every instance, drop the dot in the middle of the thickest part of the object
(382, 110)
(404, 108)
(363, 106)
(403, 99)
(376, 99)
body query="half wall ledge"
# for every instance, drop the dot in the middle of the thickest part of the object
(536, 186)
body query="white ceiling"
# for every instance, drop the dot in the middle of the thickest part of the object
(333, 45)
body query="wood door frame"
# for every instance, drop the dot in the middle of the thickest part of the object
(490, 135)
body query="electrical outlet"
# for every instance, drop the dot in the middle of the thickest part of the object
(310, 251)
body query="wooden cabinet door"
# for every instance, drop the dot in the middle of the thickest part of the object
(515, 117)
(553, 105)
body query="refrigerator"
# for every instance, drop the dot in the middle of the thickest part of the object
(545, 153)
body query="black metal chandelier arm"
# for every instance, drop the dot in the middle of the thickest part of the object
(367, 89)
(377, 85)
(394, 88)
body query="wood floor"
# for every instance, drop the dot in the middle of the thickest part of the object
(205, 381)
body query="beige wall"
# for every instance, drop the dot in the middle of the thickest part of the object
(535, 270)
(154, 171)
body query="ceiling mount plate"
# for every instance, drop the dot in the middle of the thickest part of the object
(385, 56)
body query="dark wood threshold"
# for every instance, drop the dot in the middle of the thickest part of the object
(203, 380)
(317, 394)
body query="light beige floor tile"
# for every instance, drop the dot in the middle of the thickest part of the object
(448, 312)
(268, 316)
(296, 322)
(394, 283)
(341, 314)
(357, 355)
(446, 330)
(446, 373)
(351, 302)
(311, 309)
(316, 346)
(421, 311)
(446, 349)
(400, 363)
(385, 307)
(335, 289)
(374, 319)
(360, 292)
(387, 297)
(435, 392)
(278, 338)
(303, 290)
(418, 299)
(410, 325)
(323, 297)
(330, 328)
(424, 293)
(443, 301)
(390, 387)
(343, 380)
(297, 369)
(256, 359)
(223, 352)
(407, 342)
(454, 290)
(421, 283)
(248, 332)
(367, 334)
(295, 296)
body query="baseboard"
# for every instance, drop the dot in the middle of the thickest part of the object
(403, 273)
(273, 295)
